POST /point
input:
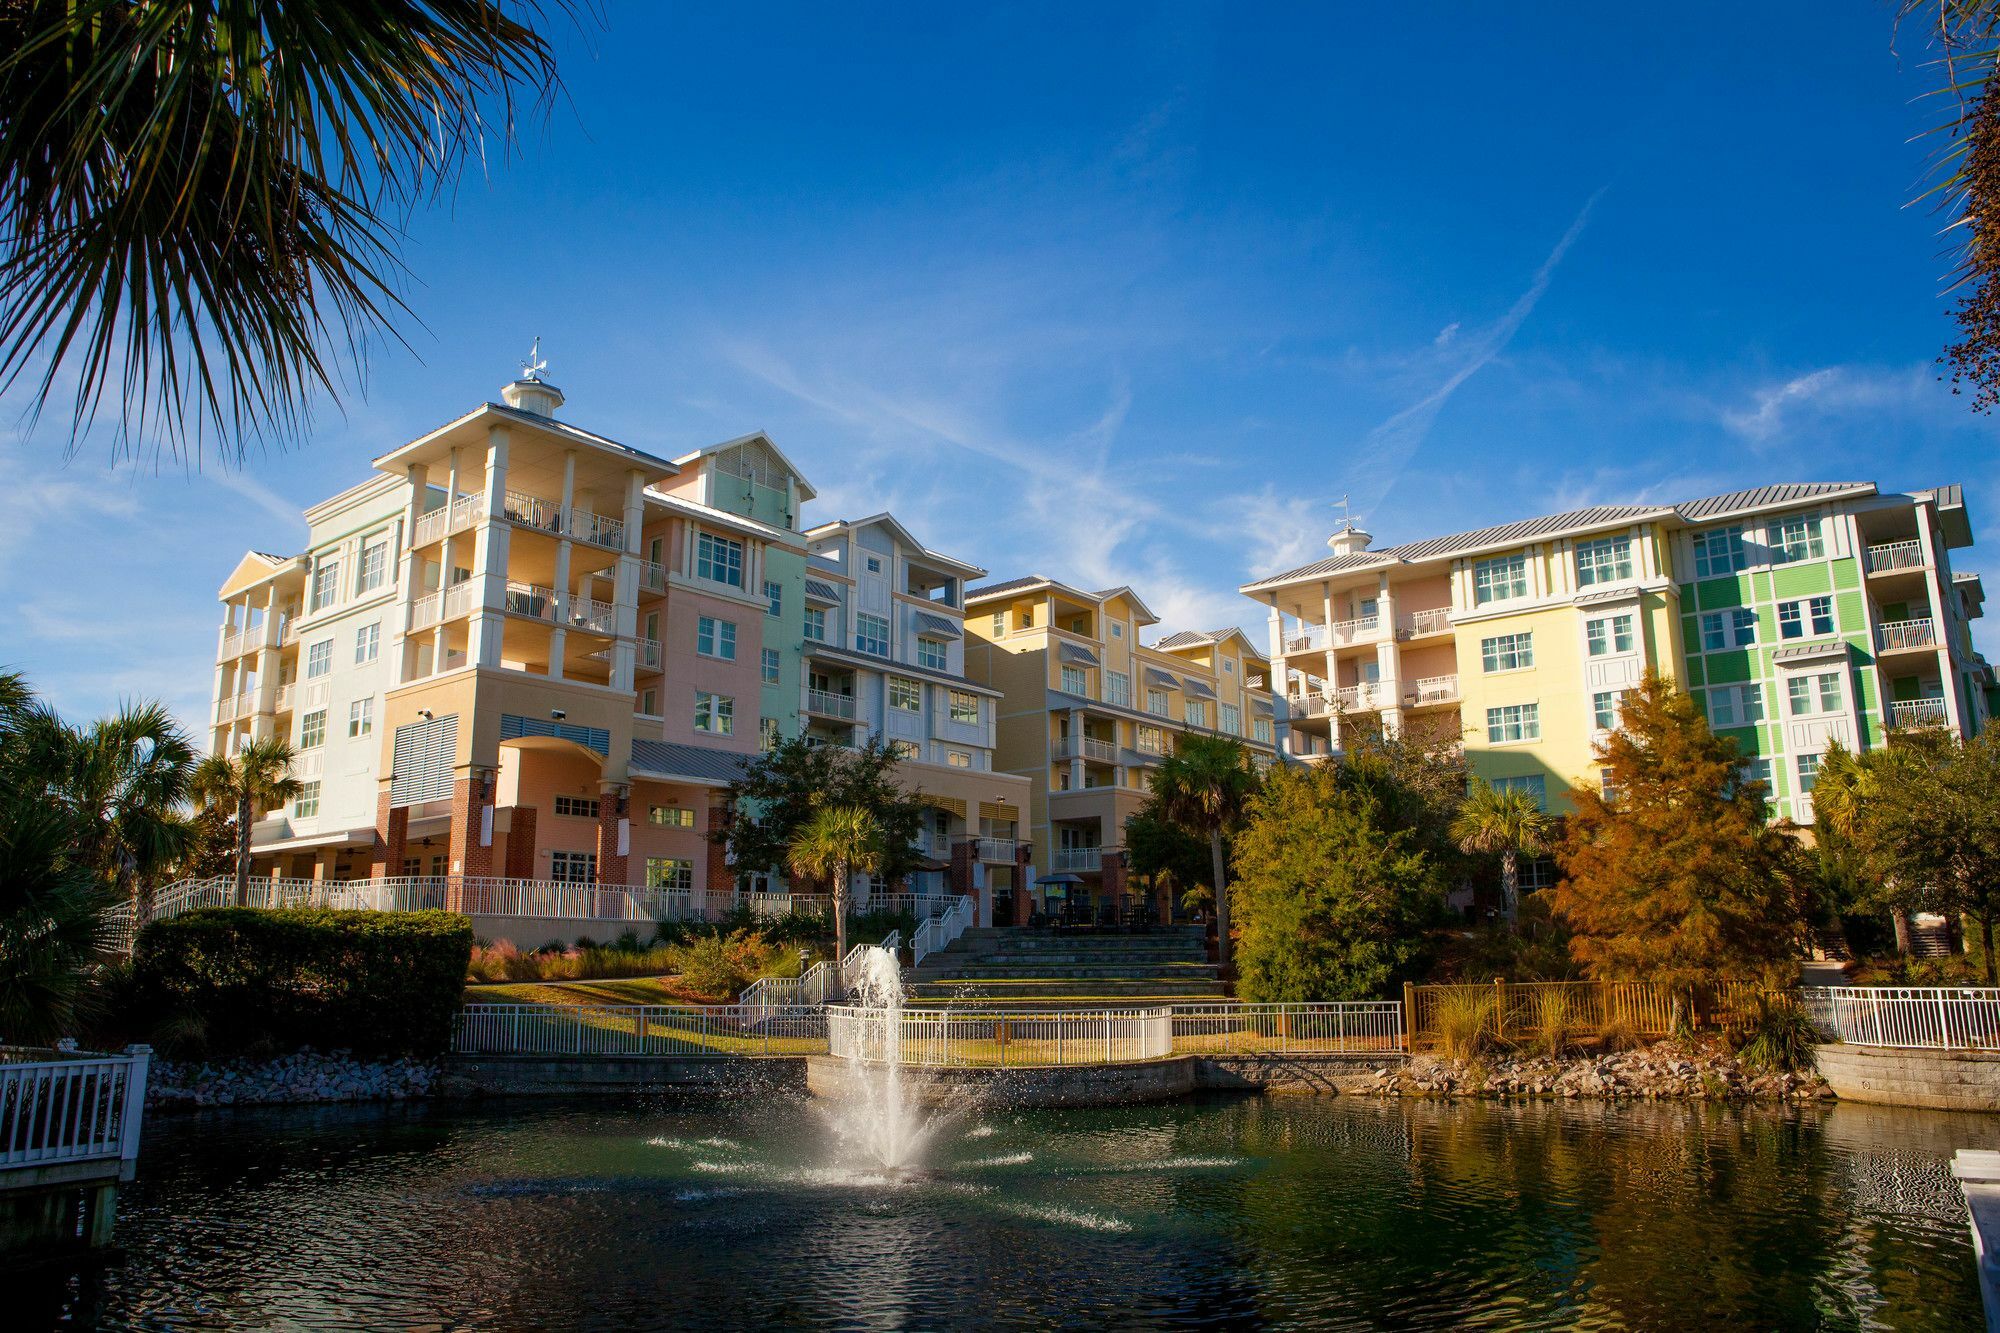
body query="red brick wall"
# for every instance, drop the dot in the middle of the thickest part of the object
(611, 867)
(521, 843)
(720, 876)
(470, 797)
(1114, 878)
(392, 836)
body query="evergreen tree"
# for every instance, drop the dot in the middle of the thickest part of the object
(785, 785)
(1204, 787)
(1678, 879)
(1162, 854)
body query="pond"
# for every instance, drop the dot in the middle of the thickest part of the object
(1338, 1212)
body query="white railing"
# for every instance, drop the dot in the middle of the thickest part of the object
(1338, 635)
(1895, 555)
(1088, 747)
(939, 931)
(234, 644)
(1956, 1018)
(1308, 705)
(932, 844)
(1077, 858)
(682, 1031)
(817, 984)
(597, 529)
(1360, 698)
(1314, 636)
(919, 905)
(282, 700)
(652, 576)
(833, 705)
(1906, 634)
(1917, 713)
(1288, 1029)
(530, 599)
(230, 707)
(426, 611)
(1432, 690)
(590, 614)
(461, 597)
(996, 849)
(532, 511)
(61, 1109)
(446, 519)
(1436, 620)
(649, 654)
(1000, 1040)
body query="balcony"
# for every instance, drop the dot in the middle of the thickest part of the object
(587, 613)
(937, 845)
(1340, 634)
(1419, 624)
(1002, 850)
(652, 576)
(1890, 556)
(650, 656)
(580, 524)
(828, 704)
(1309, 705)
(1431, 690)
(448, 604)
(1362, 698)
(1077, 859)
(1905, 714)
(1901, 634)
(231, 707)
(283, 702)
(1088, 747)
(235, 645)
(597, 529)
(441, 522)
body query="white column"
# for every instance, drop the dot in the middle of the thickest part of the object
(1934, 595)
(625, 585)
(1076, 749)
(489, 556)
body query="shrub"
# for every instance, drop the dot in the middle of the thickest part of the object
(504, 962)
(1781, 1035)
(1554, 1020)
(376, 983)
(1463, 1020)
(720, 966)
(1619, 1034)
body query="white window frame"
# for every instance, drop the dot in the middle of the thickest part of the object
(319, 659)
(715, 637)
(361, 717)
(1075, 680)
(670, 816)
(714, 714)
(816, 624)
(1513, 724)
(1602, 635)
(1720, 551)
(905, 695)
(1794, 539)
(672, 874)
(718, 559)
(770, 664)
(933, 653)
(312, 729)
(575, 807)
(1603, 560)
(871, 634)
(1500, 578)
(367, 643)
(1507, 652)
(965, 708)
(372, 569)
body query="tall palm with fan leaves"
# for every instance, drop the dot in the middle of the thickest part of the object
(258, 778)
(837, 842)
(1205, 786)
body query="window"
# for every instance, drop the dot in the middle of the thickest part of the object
(573, 867)
(965, 707)
(1261, 728)
(1533, 785)
(1608, 634)
(1735, 705)
(669, 872)
(816, 624)
(714, 713)
(1813, 694)
(774, 593)
(1607, 786)
(319, 658)
(715, 638)
(767, 733)
(905, 749)
(1755, 770)
(1231, 718)
(999, 623)
(958, 758)
(670, 816)
(1735, 628)
(1507, 652)
(1829, 692)
(1719, 551)
(361, 717)
(769, 658)
(1152, 740)
(1812, 615)
(1795, 539)
(577, 807)
(1117, 630)
(1514, 722)
(374, 571)
(871, 634)
(906, 695)
(367, 643)
(1538, 872)
(1500, 578)
(931, 653)
(718, 559)
(1075, 680)
(874, 564)
(1195, 712)
(312, 729)
(1604, 709)
(326, 583)
(1606, 560)
(1808, 772)
(1158, 704)
(307, 803)
(649, 702)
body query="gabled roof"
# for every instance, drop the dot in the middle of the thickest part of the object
(721, 518)
(561, 429)
(254, 568)
(1769, 497)
(1189, 638)
(806, 492)
(1527, 529)
(1125, 590)
(1185, 638)
(888, 520)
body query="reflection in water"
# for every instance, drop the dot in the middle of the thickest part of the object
(1292, 1210)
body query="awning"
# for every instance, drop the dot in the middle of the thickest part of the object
(821, 590)
(1810, 652)
(1076, 655)
(1197, 689)
(1261, 707)
(936, 626)
(1161, 680)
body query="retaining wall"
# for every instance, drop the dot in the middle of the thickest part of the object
(1060, 1085)
(557, 1075)
(1892, 1076)
(1293, 1073)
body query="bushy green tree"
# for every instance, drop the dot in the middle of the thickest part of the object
(785, 785)
(257, 779)
(1204, 787)
(1679, 879)
(1334, 893)
(1511, 823)
(1164, 855)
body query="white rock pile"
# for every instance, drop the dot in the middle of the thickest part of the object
(303, 1077)
(1667, 1071)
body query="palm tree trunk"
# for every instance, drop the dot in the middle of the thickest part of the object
(1510, 886)
(1901, 921)
(840, 922)
(1986, 947)
(1221, 904)
(243, 847)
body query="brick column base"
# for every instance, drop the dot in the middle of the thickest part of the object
(392, 837)
(716, 875)
(470, 859)
(959, 877)
(1024, 892)
(611, 866)
(1114, 878)
(521, 847)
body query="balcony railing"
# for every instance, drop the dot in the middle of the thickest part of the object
(1917, 713)
(1436, 620)
(652, 576)
(283, 702)
(457, 516)
(230, 707)
(588, 613)
(649, 654)
(532, 511)
(1895, 555)
(426, 611)
(581, 524)
(1362, 698)
(1906, 634)
(1339, 635)
(829, 703)
(233, 645)
(996, 849)
(1077, 858)
(597, 529)
(1432, 690)
(1309, 705)
(1088, 747)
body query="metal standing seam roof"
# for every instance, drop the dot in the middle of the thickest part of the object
(1806, 651)
(1076, 654)
(1186, 638)
(1765, 497)
(1261, 707)
(1163, 680)
(823, 590)
(1199, 689)
(1006, 585)
(935, 624)
(671, 759)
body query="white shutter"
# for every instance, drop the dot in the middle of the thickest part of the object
(423, 756)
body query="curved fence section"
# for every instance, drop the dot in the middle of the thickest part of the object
(1350, 1028)
(639, 1029)
(1000, 1040)
(1910, 1017)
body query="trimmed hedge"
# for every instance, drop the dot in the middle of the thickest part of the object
(376, 983)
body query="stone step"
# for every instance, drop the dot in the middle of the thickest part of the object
(1032, 972)
(960, 1004)
(1083, 987)
(1074, 951)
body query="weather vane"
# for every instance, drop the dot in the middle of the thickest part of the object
(532, 368)
(1346, 519)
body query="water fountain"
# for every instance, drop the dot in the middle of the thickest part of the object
(876, 1120)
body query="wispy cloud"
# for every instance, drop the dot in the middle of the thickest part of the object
(1775, 410)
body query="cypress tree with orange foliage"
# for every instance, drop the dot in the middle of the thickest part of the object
(1676, 878)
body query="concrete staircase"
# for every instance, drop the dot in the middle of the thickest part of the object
(998, 968)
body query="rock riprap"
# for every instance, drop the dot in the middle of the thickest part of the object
(1668, 1071)
(304, 1077)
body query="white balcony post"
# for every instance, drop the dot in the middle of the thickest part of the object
(419, 481)
(489, 557)
(625, 585)
(1076, 749)
(1941, 630)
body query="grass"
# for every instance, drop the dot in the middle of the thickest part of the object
(1463, 1022)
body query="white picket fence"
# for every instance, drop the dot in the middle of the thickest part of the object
(1024, 1039)
(639, 1029)
(59, 1109)
(938, 932)
(1351, 1027)
(1916, 1017)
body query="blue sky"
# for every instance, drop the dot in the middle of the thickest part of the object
(1133, 295)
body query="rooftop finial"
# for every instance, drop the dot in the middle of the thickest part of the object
(1346, 519)
(532, 368)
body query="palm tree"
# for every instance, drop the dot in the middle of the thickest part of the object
(52, 923)
(258, 779)
(1509, 822)
(201, 204)
(123, 782)
(840, 841)
(1204, 786)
